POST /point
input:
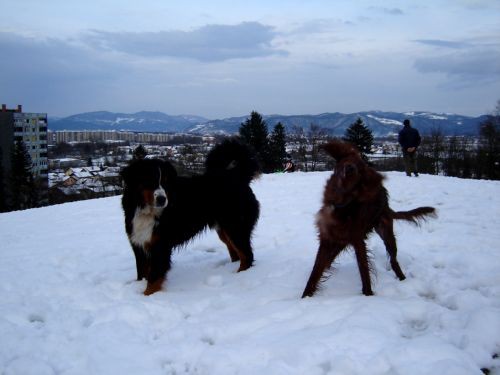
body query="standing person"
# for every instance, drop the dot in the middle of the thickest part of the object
(409, 139)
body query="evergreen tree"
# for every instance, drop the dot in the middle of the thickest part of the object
(360, 136)
(489, 149)
(254, 132)
(277, 147)
(3, 199)
(139, 153)
(24, 194)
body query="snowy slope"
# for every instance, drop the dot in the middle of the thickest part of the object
(69, 303)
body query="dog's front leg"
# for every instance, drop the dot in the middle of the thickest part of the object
(141, 262)
(160, 263)
(327, 252)
(364, 266)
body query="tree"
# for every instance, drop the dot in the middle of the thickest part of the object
(316, 135)
(452, 159)
(489, 145)
(277, 147)
(139, 153)
(299, 151)
(360, 136)
(254, 132)
(24, 194)
(3, 200)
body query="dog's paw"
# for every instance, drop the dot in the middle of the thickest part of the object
(153, 287)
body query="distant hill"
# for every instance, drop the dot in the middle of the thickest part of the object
(381, 123)
(139, 122)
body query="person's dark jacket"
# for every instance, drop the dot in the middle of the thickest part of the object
(409, 137)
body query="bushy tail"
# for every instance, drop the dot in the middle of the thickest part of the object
(232, 158)
(415, 216)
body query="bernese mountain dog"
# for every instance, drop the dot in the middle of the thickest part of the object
(164, 211)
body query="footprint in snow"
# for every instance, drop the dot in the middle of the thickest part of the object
(414, 327)
(214, 281)
(37, 320)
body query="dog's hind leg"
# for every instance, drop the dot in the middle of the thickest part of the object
(327, 253)
(241, 243)
(386, 232)
(233, 252)
(364, 266)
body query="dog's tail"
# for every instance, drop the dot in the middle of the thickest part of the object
(232, 158)
(415, 216)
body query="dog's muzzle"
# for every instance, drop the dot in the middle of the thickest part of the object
(160, 198)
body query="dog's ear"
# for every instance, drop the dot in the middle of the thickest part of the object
(126, 174)
(339, 150)
(168, 170)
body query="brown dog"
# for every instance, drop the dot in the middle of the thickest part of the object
(355, 203)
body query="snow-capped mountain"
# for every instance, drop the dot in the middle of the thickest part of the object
(141, 121)
(381, 123)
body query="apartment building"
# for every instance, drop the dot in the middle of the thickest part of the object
(70, 136)
(31, 128)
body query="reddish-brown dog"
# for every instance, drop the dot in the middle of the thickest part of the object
(355, 203)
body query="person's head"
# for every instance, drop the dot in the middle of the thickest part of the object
(406, 122)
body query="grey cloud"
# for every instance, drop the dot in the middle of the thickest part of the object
(443, 43)
(35, 71)
(477, 65)
(207, 44)
(47, 60)
(319, 26)
(480, 4)
(390, 11)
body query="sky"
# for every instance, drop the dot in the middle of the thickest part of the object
(223, 58)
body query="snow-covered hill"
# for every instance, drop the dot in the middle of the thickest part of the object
(70, 305)
(143, 121)
(381, 123)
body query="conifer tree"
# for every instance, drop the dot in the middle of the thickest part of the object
(140, 153)
(24, 192)
(277, 147)
(489, 148)
(3, 199)
(254, 132)
(360, 136)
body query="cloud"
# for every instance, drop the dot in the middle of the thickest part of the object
(390, 11)
(443, 43)
(48, 73)
(473, 66)
(48, 61)
(209, 43)
(319, 26)
(480, 4)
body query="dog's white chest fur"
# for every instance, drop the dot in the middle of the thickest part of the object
(143, 224)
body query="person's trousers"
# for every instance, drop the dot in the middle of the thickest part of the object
(410, 160)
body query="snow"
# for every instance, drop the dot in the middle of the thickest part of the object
(386, 121)
(70, 303)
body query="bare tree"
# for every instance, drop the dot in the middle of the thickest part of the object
(316, 136)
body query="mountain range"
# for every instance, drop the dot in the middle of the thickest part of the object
(381, 123)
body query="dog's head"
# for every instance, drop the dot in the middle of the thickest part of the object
(352, 179)
(146, 181)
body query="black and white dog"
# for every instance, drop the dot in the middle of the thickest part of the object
(164, 211)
